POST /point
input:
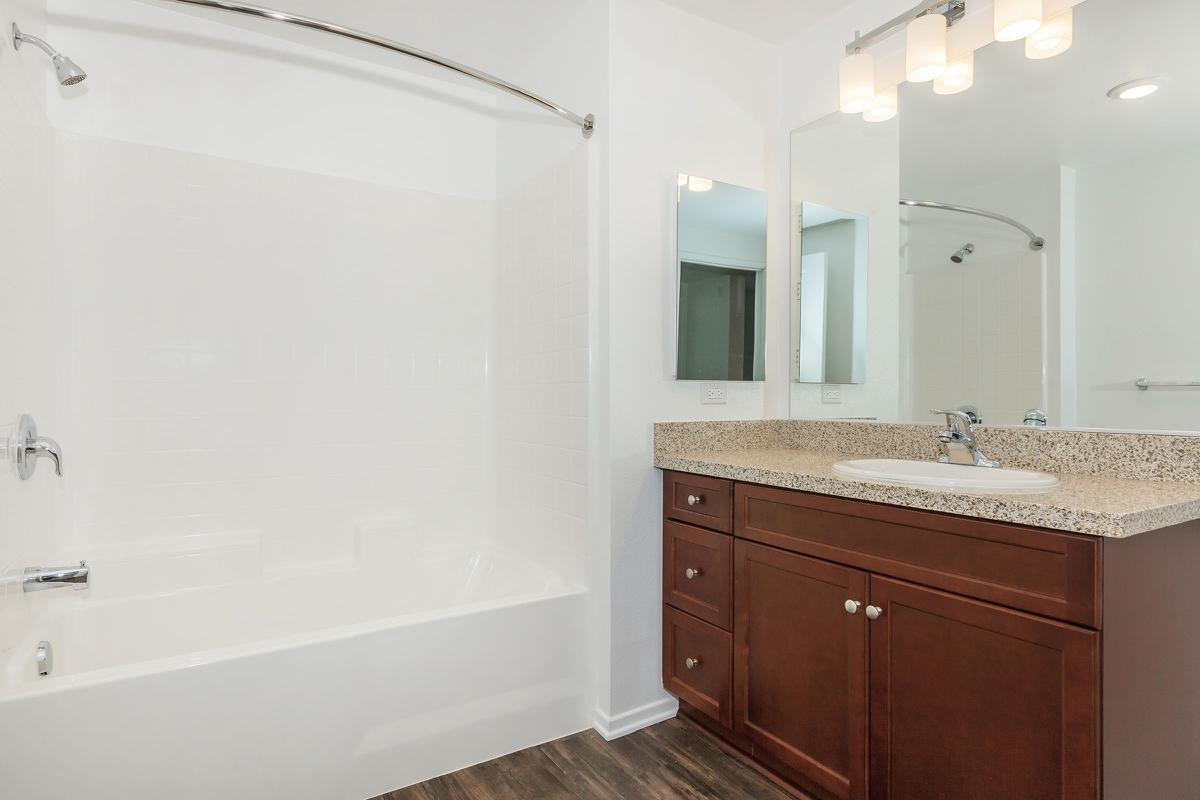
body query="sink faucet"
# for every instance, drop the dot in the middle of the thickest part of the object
(958, 441)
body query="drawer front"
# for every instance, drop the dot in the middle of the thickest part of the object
(707, 502)
(697, 664)
(698, 572)
(1043, 572)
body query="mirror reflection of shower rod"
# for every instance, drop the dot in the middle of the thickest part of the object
(1035, 242)
(586, 124)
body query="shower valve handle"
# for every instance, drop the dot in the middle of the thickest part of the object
(27, 447)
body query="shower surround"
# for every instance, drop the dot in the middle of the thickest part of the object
(323, 392)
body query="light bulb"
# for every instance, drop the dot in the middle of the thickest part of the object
(886, 104)
(958, 77)
(1016, 19)
(856, 80)
(1053, 38)
(925, 54)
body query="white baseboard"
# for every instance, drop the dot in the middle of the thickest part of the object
(635, 719)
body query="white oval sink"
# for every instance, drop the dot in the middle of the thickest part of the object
(934, 475)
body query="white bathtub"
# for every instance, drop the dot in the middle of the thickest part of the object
(337, 685)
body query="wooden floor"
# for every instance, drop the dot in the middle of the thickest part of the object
(669, 760)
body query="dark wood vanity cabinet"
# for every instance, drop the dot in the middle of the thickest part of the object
(867, 652)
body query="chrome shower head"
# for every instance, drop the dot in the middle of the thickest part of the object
(69, 73)
(966, 250)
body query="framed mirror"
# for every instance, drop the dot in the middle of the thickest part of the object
(829, 291)
(1042, 270)
(721, 248)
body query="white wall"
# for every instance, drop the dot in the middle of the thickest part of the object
(31, 373)
(1131, 214)
(687, 96)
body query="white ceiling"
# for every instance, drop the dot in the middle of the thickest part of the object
(775, 21)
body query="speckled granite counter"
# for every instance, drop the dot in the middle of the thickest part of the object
(1090, 503)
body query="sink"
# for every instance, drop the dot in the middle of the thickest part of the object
(934, 475)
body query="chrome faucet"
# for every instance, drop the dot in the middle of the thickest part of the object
(36, 579)
(959, 445)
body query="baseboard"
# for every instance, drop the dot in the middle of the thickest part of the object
(635, 719)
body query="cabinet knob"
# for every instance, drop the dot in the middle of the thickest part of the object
(691, 663)
(874, 612)
(695, 500)
(692, 574)
(852, 606)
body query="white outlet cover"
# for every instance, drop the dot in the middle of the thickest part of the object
(714, 394)
(831, 394)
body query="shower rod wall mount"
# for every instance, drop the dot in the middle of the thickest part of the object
(587, 124)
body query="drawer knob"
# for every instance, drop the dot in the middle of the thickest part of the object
(852, 606)
(692, 574)
(691, 663)
(874, 612)
(695, 500)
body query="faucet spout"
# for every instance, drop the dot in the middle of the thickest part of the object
(36, 579)
(959, 445)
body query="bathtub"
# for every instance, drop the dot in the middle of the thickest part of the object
(331, 685)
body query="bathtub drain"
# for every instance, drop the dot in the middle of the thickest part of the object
(45, 658)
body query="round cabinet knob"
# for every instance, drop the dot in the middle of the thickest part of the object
(692, 574)
(852, 606)
(691, 663)
(694, 500)
(874, 612)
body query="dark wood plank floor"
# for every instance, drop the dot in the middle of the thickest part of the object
(664, 762)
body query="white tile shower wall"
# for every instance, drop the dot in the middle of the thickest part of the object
(977, 337)
(542, 362)
(263, 350)
(30, 369)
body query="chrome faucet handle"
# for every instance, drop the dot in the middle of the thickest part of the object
(27, 447)
(957, 421)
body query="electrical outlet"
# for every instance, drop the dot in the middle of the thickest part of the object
(714, 394)
(831, 394)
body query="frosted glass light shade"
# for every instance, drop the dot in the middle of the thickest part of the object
(856, 83)
(925, 40)
(1016, 19)
(1053, 38)
(958, 77)
(699, 184)
(886, 104)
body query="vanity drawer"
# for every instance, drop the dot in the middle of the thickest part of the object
(1040, 571)
(698, 664)
(703, 501)
(698, 572)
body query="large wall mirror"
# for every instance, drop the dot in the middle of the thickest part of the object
(721, 269)
(1043, 263)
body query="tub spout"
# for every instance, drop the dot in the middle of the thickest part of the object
(35, 579)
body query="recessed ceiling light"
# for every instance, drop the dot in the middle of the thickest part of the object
(1135, 90)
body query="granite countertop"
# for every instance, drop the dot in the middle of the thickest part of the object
(1099, 505)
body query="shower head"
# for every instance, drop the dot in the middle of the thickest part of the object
(966, 250)
(69, 73)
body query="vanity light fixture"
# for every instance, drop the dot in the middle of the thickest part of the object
(699, 184)
(1053, 38)
(885, 107)
(856, 83)
(958, 77)
(1016, 19)
(683, 179)
(1137, 89)
(925, 48)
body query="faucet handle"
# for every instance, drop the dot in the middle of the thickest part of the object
(955, 419)
(27, 447)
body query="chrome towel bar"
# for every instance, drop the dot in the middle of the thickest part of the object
(1145, 384)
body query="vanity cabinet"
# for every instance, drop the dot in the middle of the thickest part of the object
(862, 651)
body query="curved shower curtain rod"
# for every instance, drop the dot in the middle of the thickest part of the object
(586, 124)
(1035, 242)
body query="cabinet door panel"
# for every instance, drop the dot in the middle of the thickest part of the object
(971, 700)
(800, 684)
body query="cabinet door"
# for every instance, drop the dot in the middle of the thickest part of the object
(800, 666)
(971, 700)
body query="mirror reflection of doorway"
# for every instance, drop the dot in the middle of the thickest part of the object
(716, 322)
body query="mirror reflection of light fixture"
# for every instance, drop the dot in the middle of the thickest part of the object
(1137, 89)
(683, 179)
(958, 77)
(856, 83)
(696, 184)
(925, 42)
(1016, 19)
(885, 107)
(1053, 38)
